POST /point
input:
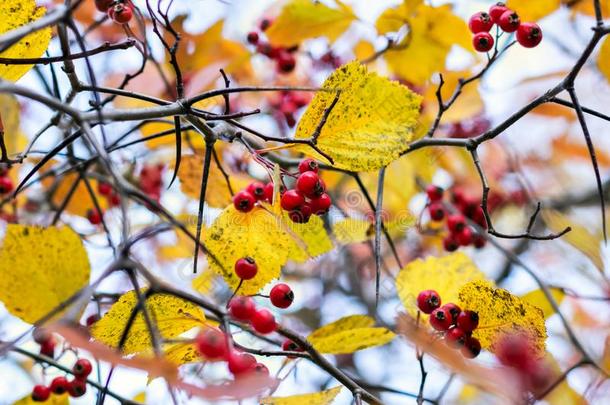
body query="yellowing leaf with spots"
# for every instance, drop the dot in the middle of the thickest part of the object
(349, 334)
(603, 59)
(533, 10)
(173, 316)
(270, 239)
(181, 353)
(53, 400)
(446, 275)
(304, 19)
(16, 13)
(538, 299)
(40, 268)
(501, 312)
(325, 397)
(372, 122)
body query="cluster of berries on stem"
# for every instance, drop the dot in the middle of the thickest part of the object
(455, 324)
(528, 34)
(119, 11)
(286, 105)
(284, 57)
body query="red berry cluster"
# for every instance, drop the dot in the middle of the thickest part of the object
(151, 180)
(529, 34)
(287, 103)
(244, 309)
(284, 57)
(60, 385)
(455, 324)
(517, 351)
(6, 184)
(468, 128)
(309, 196)
(212, 343)
(114, 199)
(120, 11)
(460, 234)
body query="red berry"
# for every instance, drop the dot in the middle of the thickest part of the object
(104, 188)
(265, 23)
(483, 41)
(240, 363)
(509, 21)
(40, 393)
(103, 5)
(6, 185)
(454, 310)
(435, 193)
(321, 204)
(82, 368)
(450, 243)
(246, 268)
(77, 388)
(308, 165)
(281, 295)
(288, 108)
(261, 369)
(437, 211)
(211, 343)
(244, 201)
(496, 11)
(115, 199)
(253, 37)
(257, 189)
(41, 335)
(309, 184)
(471, 348)
(440, 319)
(456, 222)
(464, 237)
(263, 321)
(480, 22)
(48, 348)
(292, 200)
(94, 216)
(479, 217)
(428, 301)
(455, 337)
(242, 308)
(285, 62)
(468, 321)
(479, 242)
(516, 351)
(120, 13)
(290, 346)
(59, 385)
(301, 216)
(91, 319)
(529, 35)
(269, 192)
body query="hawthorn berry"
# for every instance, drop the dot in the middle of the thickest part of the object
(263, 321)
(468, 320)
(496, 11)
(91, 319)
(41, 335)
(320, 205)
(121, 13)
(48, 348)
(264, 24)
(479, 241)
(480, 22)
(483, 41)
(104, 188)
(6, 185)
(302, 215)
(260, 368)
(516, 350)
(257, 189)
(509, 21)
(450, 244)
(440, 319)
(242, 308)
(211, 343)
(103, 5)
(82, 368)
(437, 211)
(241, 363)
(428, 301)
(253, 37)
(309, 184)
(281, 295)
(244, 201)
(59, 385)
(529, 35)
(454, 310)
(290, 346)
(471, 348)
(292, 200)
(285, 62)
(456, 222)
(308, 165)
(94, 216)
(455, 337)
(40, 393)
(246, 268)
(435, 193)
(77, 388)
(464, 237)
(115, 199)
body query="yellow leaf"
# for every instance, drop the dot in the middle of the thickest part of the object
(562, 394)
(319, 398)
(445, 274)
(533, 10)
(352, 230)
(181, 353)
(371, 124)
(586, 7)
(80, 201)
(14, 139)
(579, 237)
(538, 299)
(141, 398)
(363, 50)
(173, 316)
(304, 19)
(204, 282)
(348, 335)
(153, 128)
(393, 19)
(53, 400)
(501, 312)
(603, 59)
(40, 268)
(16, 13)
